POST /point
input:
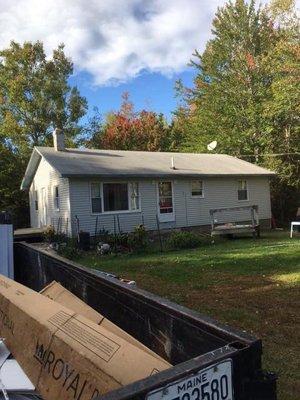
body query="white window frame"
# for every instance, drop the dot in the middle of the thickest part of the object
(195, 196)
(56, 199)
(129, 192)
(238, 189)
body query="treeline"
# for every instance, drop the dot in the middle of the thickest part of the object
(245, 96)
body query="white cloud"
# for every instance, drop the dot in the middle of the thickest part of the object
(113, 40)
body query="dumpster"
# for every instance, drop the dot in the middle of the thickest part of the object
(211, 361)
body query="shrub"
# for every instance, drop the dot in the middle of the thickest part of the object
(49, 234)
(70, 251)
(183, 240)
(138, 240)
(103, 236)
(52, 237)
(120, 239)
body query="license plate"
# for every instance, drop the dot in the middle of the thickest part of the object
(212, 383)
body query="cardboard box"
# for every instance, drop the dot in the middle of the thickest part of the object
(61, 295)
(65, 355)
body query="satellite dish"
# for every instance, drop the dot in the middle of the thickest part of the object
(211, 146)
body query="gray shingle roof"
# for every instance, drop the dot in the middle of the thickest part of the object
(120, 164)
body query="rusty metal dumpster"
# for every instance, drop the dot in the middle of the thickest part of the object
(211, 361)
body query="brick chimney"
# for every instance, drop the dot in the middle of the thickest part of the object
(59, 140)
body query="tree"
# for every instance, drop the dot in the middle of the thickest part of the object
(12, 166)
(245, 94)
(282, 110)
(231, 85)
(130, 130)
(35, 96)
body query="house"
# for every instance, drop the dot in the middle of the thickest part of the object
(113, 189)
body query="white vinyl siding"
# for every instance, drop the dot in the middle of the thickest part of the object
(47, 177)
(74, 195)
(220, 193)
(189, 210)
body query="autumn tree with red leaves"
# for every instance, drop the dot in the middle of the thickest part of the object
(127, 129)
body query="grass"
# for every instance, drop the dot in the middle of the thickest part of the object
(247, 283)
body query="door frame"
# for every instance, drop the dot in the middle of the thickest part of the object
(168, 217)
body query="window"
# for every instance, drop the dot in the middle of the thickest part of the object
(96, 198)
(36, 200)
(165, 197)
(242, 190)
(197, 188)
(56, 198)
(134, 196)
(115, 196)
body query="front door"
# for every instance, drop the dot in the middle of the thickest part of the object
(43, 216)
(166, 212)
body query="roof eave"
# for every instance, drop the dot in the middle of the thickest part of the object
(165, 175)
(32, 166)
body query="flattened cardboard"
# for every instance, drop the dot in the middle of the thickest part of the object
(65, 355)
(61, 295)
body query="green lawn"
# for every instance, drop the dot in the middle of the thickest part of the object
(248, 283)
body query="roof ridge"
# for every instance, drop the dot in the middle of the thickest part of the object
(40, 148)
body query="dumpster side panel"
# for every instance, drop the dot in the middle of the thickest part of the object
(172, 331)
(185, 338)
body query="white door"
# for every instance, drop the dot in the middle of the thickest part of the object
(43, 216)
(166, 212)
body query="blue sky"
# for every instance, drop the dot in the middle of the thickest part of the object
(150, 91)
(139, 46)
